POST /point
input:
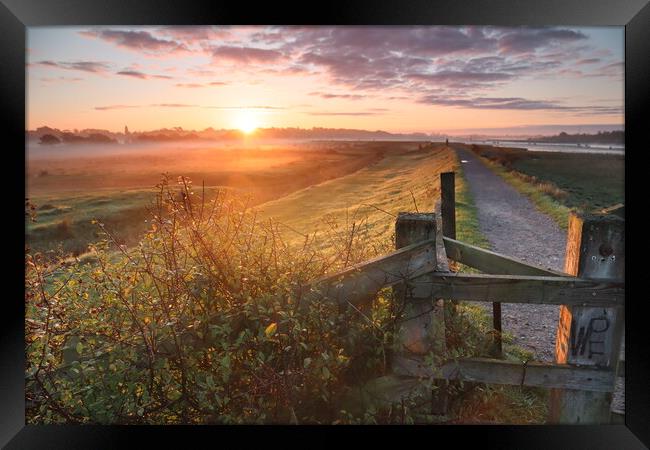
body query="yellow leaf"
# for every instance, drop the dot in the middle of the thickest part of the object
(271, 329)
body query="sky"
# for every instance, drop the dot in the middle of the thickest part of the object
(433, 79)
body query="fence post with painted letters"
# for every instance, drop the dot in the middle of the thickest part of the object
(590, 336)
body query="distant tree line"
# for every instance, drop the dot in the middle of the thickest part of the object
(70, 138)
(48, 136)
(602, 137)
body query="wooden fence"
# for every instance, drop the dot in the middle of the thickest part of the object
(590, 292)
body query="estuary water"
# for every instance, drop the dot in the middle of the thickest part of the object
(553, 147)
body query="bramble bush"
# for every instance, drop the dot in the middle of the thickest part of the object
(198, 323)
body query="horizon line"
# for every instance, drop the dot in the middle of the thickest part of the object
(483, 130)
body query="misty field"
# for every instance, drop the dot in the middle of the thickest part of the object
(71, 188)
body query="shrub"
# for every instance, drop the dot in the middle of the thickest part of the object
(198, 323)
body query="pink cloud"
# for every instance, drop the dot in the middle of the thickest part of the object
(137, 40)
(245, 55)
(142, 75)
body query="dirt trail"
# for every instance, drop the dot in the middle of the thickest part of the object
(514, 227)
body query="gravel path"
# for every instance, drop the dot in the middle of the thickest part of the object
(514, 227)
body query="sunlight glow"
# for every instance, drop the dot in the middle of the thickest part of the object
(246, 121)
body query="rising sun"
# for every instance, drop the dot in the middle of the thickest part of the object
(246, 121)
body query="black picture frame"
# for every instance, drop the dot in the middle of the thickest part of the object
(16, 15)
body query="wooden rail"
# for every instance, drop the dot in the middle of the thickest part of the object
(492, 262)
(361, 282)
(496, 371)
(523, 289)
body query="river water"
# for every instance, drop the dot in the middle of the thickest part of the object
(552, 147)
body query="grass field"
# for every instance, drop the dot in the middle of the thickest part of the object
(590, 181)
(560, 182)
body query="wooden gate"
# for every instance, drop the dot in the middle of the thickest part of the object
(590, 292)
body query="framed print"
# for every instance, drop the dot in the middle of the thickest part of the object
(398, 219)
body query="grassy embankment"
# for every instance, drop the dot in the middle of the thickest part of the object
(370, 198)
(558, 183)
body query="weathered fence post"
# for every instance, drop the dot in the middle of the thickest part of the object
(448, 204)
(422, 327)
(587, 335)
(448, 212)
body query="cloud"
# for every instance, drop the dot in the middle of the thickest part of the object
(192, 34)
(111, 107)
(189, 85)
(258, 107)
(525, 40)
(345, 113)
(455, 66)
(456, 79)
(517, 103)
(491, 103)
(588, 61)
(345, 96)
(141, 41)
(133, 73)
(142, 75)
(82, 66)
(245, 55)
(58, 79)
(616, 69)
(199, 85)
(173, 105)
(186, 105)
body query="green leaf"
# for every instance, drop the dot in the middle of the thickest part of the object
(79, 347)
(306, 362)
(271, 330)
(174, 394)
